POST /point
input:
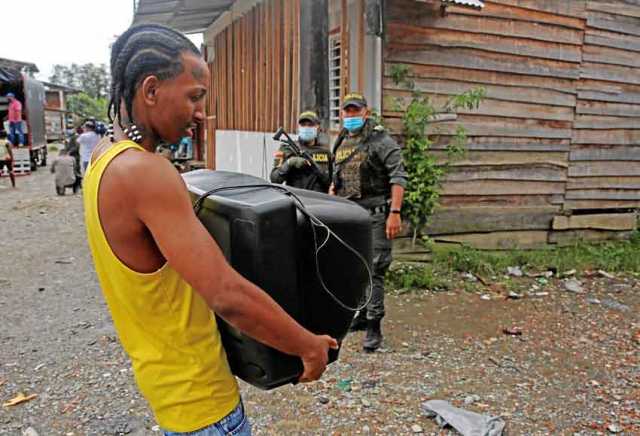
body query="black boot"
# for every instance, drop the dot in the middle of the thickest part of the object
(373, 340)
(359, 323)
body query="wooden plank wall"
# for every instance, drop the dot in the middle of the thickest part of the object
(604, 170)
(539, 146)
(255, 70)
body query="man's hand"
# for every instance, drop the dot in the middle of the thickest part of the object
(297, 162)
(394, 223)
(315, 360)
(332, 189)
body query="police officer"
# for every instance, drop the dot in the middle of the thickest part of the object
(296, 170)
(369, 170)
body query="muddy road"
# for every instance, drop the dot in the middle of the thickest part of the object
(572, 369)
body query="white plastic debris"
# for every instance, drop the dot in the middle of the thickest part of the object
(465, 422)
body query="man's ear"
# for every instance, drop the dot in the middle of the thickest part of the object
(149, 89)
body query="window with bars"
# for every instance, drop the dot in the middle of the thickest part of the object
(335, 74)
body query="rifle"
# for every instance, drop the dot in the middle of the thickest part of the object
(296, 150)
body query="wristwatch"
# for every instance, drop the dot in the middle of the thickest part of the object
(395, 210)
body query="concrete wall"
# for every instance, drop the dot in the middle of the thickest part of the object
(245, 152)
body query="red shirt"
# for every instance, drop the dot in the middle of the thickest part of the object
(15, 111)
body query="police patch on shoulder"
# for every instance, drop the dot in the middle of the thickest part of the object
(320, 157)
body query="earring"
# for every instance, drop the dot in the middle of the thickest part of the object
(133, 133)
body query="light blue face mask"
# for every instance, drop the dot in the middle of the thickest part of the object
(353, 124)
(307, 134)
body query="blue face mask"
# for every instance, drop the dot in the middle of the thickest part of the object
(353, 124)
(307, 134)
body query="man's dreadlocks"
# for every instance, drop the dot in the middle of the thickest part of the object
(144, 50)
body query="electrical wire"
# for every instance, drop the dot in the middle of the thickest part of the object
(315, 223)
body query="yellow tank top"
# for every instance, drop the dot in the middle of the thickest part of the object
(166, 328)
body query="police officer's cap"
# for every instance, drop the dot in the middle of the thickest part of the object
(354, 99)
(309, 116)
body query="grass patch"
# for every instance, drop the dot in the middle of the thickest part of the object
(614, 256)
(409, 275)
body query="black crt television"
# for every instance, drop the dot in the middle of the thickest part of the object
(268, 239)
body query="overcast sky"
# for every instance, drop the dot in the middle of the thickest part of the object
(48, 32)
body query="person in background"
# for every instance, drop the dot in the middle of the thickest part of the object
(63, 168)
(185, 148)
(101, 129)
(297, 171)
(369, 170)
(6, 157)
(88, 141)
(16, 134)
(73, 149)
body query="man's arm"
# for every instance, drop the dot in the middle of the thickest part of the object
(391, 156)
(162, 203)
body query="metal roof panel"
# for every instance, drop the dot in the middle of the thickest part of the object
(479, 4)
(189, 16)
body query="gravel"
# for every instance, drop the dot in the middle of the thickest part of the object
(574, 370)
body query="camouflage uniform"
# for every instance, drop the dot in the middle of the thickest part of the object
(366, 165)
(307, 177)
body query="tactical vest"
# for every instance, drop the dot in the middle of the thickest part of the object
(358, 175)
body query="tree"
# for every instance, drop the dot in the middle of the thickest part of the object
(426, 173)
(87, 106)
(94, 80)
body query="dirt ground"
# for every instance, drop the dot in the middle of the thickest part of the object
(573, 370)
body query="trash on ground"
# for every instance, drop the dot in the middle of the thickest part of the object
(19, 399)
(514, 296)
(469, 277)
(345, 384)
(515, 271)
(512, 331)
(613, 304)
(470, 399)
(546, 274)
(573, 285)
(613, 428)
(30, 431)
(539, 294)
(605, 274)
(466, 422)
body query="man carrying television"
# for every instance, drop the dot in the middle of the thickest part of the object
(370, 171)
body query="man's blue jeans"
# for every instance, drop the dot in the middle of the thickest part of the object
(235, 423)
(15, 128)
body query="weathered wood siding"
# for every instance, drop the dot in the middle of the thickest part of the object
(255, 69)
(556, 132)
(604, 169)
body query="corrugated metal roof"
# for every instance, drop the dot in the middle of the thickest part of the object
(189, 16)
(479, 4)
(18, 65)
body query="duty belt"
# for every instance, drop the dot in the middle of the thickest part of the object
(378, 209)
